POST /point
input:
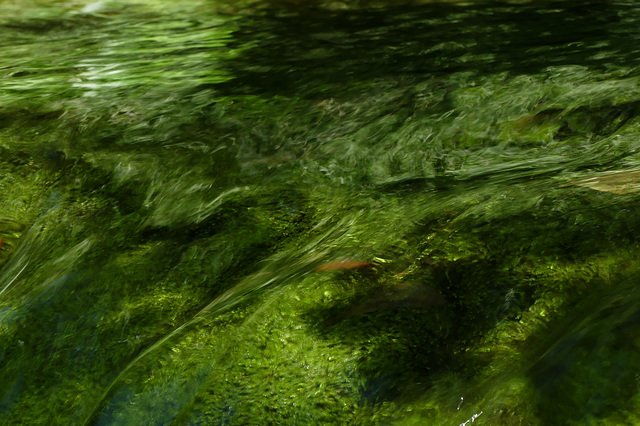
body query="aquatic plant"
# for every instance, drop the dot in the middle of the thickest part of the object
(276, 213)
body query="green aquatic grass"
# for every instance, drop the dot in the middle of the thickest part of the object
(172, 175)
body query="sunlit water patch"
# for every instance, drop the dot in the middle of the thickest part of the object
(318, 213)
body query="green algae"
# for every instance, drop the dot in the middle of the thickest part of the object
(172, 175)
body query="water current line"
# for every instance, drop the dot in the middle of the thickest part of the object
(52, 204)
(237, 294)
(225, 301)
(14, 278)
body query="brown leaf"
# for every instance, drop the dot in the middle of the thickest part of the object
(338, 265)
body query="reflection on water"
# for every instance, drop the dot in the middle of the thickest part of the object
(318, 213)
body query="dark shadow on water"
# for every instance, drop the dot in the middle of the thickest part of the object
(318, 53)
(411, 341)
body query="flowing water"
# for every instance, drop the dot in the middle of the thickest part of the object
(251, 212)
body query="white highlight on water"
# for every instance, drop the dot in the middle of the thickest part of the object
(14, 278)
(472, 419)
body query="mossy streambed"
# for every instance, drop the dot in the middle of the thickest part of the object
(259, 213)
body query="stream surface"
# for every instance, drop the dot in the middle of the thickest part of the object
(253, 212)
